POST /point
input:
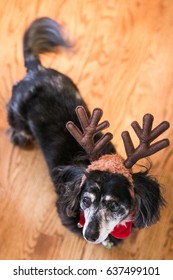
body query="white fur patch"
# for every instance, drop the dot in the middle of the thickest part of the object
(25, 135)
(78, 96)
(90, 195)
(106, 222)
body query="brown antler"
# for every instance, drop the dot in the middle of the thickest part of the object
(146, 135)
(90, 128)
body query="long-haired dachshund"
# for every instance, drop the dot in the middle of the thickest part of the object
(92, 202)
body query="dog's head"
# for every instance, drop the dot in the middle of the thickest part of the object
(106, 200)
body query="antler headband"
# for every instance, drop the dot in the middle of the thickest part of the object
(114, 163)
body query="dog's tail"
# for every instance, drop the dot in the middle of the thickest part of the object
(43, 35)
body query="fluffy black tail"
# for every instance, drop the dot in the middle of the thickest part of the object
(43, 35)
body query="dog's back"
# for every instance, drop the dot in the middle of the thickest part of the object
(45, 100)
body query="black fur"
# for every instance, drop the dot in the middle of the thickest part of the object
(149, 200)
(41, 105)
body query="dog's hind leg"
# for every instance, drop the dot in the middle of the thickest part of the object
(19, 131)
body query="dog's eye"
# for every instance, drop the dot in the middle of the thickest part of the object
(86, 201)
(113, 206)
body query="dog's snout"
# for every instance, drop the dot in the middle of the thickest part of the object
(92, 232)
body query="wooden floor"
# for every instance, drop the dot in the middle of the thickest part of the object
(123, 63)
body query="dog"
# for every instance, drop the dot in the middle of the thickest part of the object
(40, 106)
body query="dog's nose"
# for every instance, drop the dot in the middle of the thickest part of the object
(92, 233)
(91, 237)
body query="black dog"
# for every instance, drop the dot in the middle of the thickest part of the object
(41, 105)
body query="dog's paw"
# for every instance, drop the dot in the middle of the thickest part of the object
(108, 244)
(20, 138)
(111, 242)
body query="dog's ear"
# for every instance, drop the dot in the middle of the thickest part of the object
(149, 200)
(67, 181)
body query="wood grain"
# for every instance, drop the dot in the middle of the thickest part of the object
(123, 63)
